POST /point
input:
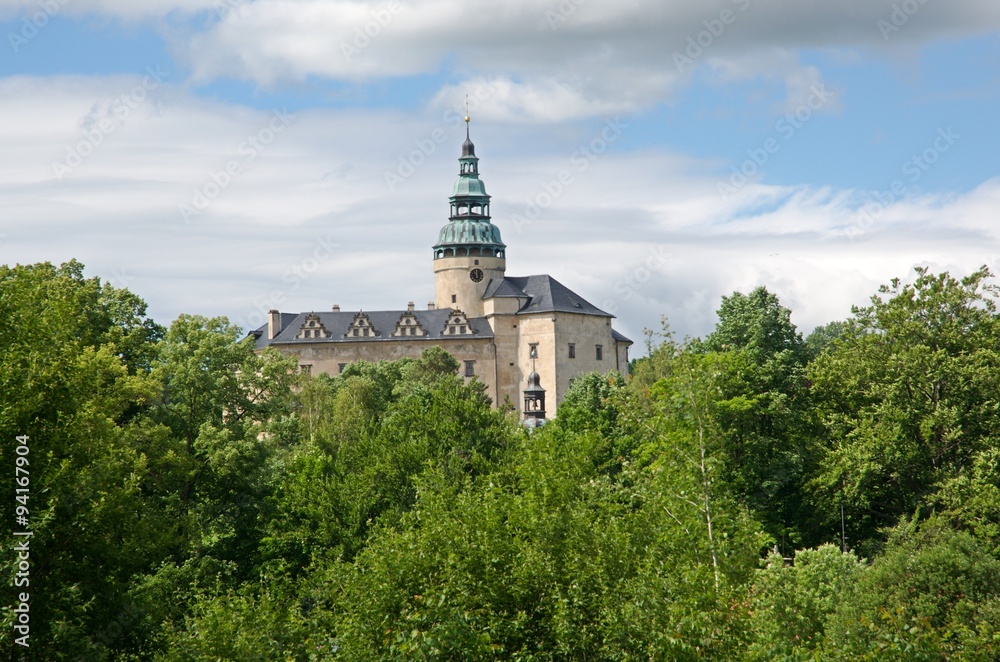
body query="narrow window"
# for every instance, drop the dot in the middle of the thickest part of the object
(454, 298)
(600, 353)
(470, 368)
(341, 366)
(572, 350)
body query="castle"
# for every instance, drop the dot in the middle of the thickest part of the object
(524, 337)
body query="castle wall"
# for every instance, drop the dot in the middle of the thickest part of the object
(328, 357)
(586, 332)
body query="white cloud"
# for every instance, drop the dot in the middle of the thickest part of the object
(554, 59)
(322, 179)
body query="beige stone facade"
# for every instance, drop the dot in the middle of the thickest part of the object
(499, 328)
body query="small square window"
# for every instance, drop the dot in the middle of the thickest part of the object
(470, 368)
(572, 350)
(600, 353)
(305, 368)
(341, 366)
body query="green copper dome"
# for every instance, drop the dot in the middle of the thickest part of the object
(469, 230)
(469, 186)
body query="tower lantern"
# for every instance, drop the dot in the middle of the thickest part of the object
(534, 402)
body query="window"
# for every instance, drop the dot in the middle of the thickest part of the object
(600, 353)
(341, 366)
(305, 368)
(454, 298)
(572, 350)
(470, 368)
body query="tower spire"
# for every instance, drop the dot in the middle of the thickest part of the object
(467, 118)
(469, 253)
(468, 149)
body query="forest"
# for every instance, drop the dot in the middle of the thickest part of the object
(755, 494)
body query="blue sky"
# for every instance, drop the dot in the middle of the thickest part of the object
(867, 129)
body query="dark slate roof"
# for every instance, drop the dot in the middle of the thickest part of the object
(620, 338)
(257, 334)
(544, 295)
(384, 321)
(503, 288)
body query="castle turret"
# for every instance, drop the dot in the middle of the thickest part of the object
(469, 252)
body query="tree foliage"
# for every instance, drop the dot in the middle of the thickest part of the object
(907, 396)
(195, 499)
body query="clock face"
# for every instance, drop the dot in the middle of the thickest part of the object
(476, 275)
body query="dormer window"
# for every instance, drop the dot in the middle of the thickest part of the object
(361, 327)
(409, 326)
(312, 329)
(458, 325)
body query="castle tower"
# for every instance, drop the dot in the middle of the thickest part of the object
(469, 252)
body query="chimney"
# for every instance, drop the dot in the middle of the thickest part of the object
(336, 307)
(430, 305)
(409, 306)
(273, 324)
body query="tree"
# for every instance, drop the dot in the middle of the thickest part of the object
(907, 399)
(790, 604)
(73, 357)
(758, 324)
(934, 594)
(762, 409)
(822, 337)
